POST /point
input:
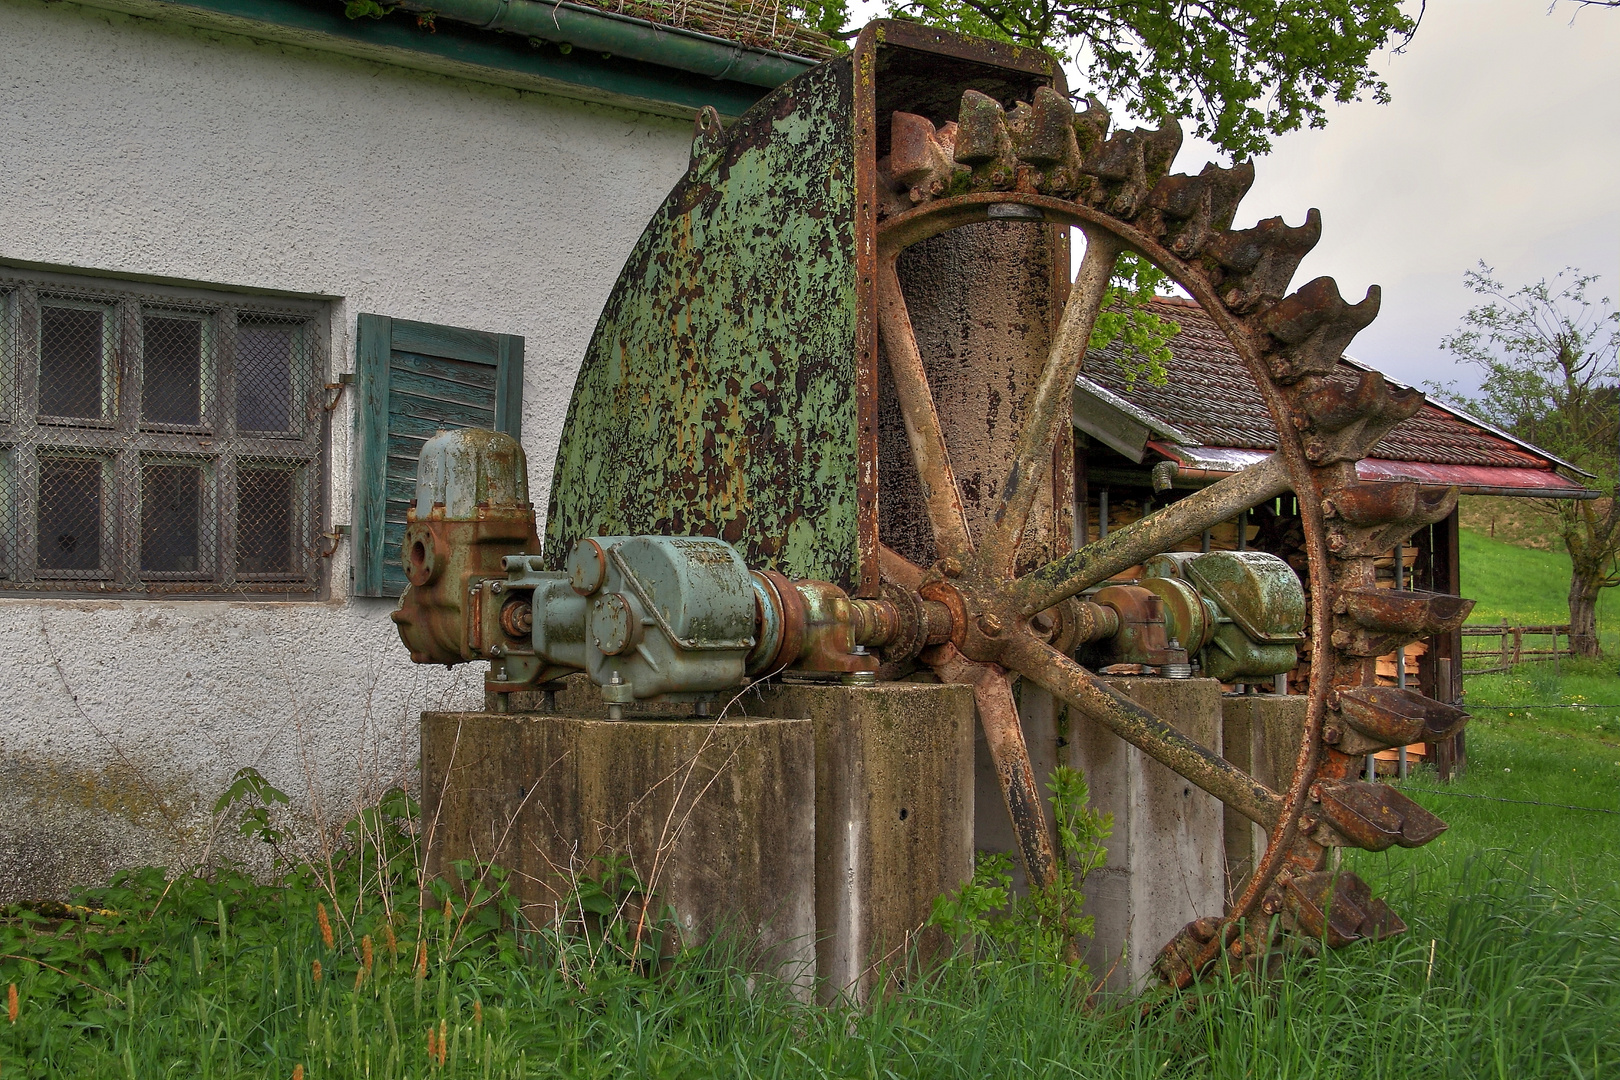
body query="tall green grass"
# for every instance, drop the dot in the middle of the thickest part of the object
(1510, 968)
(1502, 974)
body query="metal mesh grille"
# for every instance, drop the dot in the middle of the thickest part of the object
(157, 441)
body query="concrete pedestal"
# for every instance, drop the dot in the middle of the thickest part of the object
(1262, 733)
(894, 819)
(717, 820)
(1166, 863)
(817, 821)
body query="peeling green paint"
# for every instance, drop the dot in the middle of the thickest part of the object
(718, 395)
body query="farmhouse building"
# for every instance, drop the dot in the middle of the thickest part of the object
(1139, 443)
(215, 214)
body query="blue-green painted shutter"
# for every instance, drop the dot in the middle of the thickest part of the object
(411, 380)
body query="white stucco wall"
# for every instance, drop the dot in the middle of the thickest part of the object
(151, 149)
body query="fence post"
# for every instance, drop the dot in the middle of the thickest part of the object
(1445, 751)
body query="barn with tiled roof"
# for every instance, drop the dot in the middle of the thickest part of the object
(1140, 444)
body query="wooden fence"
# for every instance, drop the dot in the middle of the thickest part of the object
(1508, 649)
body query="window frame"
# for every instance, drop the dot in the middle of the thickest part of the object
(128, 442)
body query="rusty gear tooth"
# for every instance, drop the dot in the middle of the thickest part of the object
(1245, 250)
(1379, 717)
(1181, 196)
(1338, 908)
(1160, 147)
(1344, 423)
(1091, 127)
(1375, 816)
(981, 129)
(1179, 210)
(1194, 209)
(921, 161)
(1261, 261)
(984, 143)
(1046, 137)
(1368, 519)
(1314, 326)
(1044, 141)
(1374, 620)
(913, 151)
(1130, 164)
(1366, 505)
(1227, 188)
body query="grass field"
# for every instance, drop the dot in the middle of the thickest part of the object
(1510, 968)
(1519, 584)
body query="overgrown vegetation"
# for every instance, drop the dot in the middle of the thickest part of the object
(1043, 927)
(1509, 969)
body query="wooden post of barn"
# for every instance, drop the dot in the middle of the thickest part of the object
(1444, 751)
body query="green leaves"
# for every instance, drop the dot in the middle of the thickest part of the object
(1042, 928)
(1242, 70)
(249, 786)
(1143, 336)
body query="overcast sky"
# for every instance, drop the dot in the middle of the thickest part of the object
(1502, 143)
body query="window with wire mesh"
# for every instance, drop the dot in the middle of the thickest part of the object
(157, 441)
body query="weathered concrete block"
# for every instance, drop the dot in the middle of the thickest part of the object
(716, 818)
(1165, 859)
(886, 790)
(894, 818)
(1261, 733)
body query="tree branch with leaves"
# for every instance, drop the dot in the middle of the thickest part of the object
(1552, 378)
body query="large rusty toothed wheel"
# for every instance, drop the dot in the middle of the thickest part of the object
(1043, 161)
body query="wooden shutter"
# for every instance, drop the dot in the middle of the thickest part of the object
(413, 379)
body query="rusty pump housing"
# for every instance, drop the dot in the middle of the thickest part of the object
(683, 618)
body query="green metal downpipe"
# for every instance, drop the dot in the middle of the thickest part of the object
(636, 39)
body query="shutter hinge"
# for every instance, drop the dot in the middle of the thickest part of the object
(336, 537)
(335, 389)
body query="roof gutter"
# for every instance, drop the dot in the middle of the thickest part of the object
(1167, 474)
(620, 35)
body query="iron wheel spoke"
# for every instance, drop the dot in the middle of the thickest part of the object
(1048, 405)
(916, 400)
(1068, 681)
(1004, 735)
(1102, 559)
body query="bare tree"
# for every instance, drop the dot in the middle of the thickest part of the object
(1548, 352)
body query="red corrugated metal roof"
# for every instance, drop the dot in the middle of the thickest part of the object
(1210, 396)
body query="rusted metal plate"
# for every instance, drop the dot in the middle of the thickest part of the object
(1375, 816)
(718, 394)
(1338, 907)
